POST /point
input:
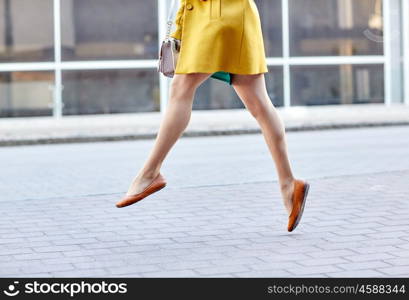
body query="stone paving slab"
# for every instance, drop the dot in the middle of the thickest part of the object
(89, 128)
(350, 228)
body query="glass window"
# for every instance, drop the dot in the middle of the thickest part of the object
(109, 29)
(337, 84)
(26, 94)
(335, 27)
(271, 21)
(275, 86)
(26, 30)
(110, 91)
(215, 94)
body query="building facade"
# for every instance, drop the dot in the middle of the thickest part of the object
(73, 57)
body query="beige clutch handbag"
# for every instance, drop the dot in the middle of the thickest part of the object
(169, 50)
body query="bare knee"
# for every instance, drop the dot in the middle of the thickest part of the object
(251, 89)
(181, 90)
(258, 108)
(186, 84)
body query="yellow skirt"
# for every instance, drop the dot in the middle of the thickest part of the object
(219, 35)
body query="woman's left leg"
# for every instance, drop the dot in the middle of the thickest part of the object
(252, 91)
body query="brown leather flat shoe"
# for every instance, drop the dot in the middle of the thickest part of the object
(299, 197)
(157, 184)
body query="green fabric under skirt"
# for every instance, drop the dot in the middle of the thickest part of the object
(223, 76)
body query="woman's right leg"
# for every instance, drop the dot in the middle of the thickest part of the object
(176, 118)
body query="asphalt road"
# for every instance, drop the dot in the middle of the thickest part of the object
(50, 171)
(221, 214)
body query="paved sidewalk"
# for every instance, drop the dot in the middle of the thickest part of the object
(40, 130)
(236, 230)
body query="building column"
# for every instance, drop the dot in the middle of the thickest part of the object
(393, 51)
(405, 38)
(286, 53)
(57, 89)
(164, 82)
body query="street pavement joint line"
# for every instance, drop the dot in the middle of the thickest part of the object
(196, 133)
(217, 185)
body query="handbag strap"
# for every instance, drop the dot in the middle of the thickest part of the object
(170, 18)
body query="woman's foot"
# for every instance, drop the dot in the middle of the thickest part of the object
(301, 188)
(140, 182)
(287, 192)
(141, 187)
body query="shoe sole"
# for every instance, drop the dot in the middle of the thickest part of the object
(154, 190)
(297, 220)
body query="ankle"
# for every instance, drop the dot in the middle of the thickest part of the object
(287, 183)
(148, 173)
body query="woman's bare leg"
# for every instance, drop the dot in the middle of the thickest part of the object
(176, 118)
(252, 91)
